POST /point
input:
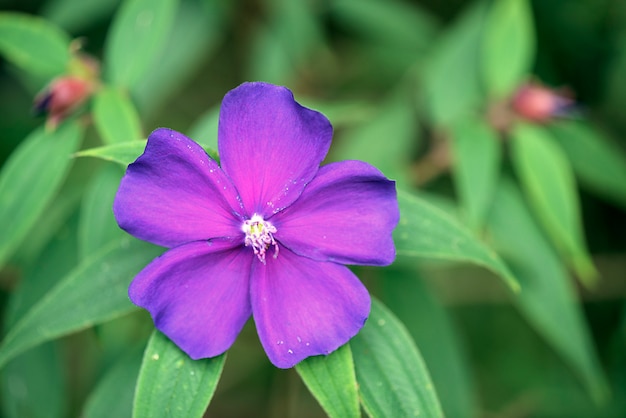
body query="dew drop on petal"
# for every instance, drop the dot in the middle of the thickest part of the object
(290, 351)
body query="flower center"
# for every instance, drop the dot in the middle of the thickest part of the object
(259, 235)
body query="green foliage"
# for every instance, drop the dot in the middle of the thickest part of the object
(393, 380)
(115, 117)
(547, 178)
(147, 24)
(94, 292)
(426, 92)
(508, 45)
(189, 384)
(425, 231)
(332, 381)
(34, 44)
(29, 180)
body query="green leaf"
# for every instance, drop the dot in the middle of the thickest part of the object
(394, 23)
(77, 16)
(122, 153)
(332, 381)
(548, 300)
(508, 46)
(113, 395)
(97, 224)
(196, 34)
(476, 151)
(598, 163)
(393, 380)
(387, 140)
(125, 153)
(452, 79)
(136, 37)
(427, 232)
(115, 116)
(95, 291)
(409, 297)
(29, 180)
(34, 44)
(549, 183)
(172, 384)
(33, 386)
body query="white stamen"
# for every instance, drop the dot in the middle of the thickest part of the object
(259, 235)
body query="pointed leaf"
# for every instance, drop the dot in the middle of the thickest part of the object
(429, 323)
(172, 384)
(97, 226)
(332, 381)
(428, 232)
(452, 80)
(29, 180)
(386, 140)
(125, 153)
(136, 37)
(549, 183)
(34, 44)
(598, 163)
(115, 116)
(476, 167)
(393, 380)
(548, 300)
(508, 45)
(94, 292)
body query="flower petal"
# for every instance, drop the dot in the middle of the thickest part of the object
(346, 215)
(175, 193)
(198, 295)
(269, 145)
(304, 308)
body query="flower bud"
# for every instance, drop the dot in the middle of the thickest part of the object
(61, 97)
(538, 103)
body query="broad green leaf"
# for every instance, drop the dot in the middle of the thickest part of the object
(125, 153)
(115, 116)
(332, 381)
(33, 44)
(122, 153)
(393, 380)
(387, 140)
(269, 59)
(197, 32)
(33, 386)
(171, 384)
(95, 291)
(394, 23)
(409, 297)
(136, 37)
(29, 180)
(97, 225)
(549, 183)
(476, 149)
(547, 300)
(427, 232)
(77, 16)
(598, 163)
(508, 45)
(113, 395)
(452, 79)
(298, 25)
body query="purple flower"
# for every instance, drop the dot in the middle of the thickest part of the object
(266, 234)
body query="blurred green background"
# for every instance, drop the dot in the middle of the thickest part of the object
(400, 81)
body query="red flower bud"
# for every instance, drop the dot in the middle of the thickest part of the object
(538, 103)
(61, 97)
